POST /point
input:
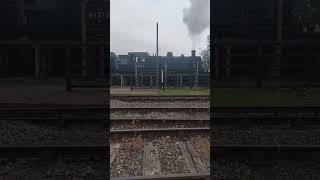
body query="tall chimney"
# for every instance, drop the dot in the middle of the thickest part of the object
(193, 53)
(157, 73)
(157, 40)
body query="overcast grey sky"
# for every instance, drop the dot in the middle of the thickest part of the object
(133, 27)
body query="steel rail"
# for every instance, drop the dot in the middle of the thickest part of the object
(288, 121)
(58, 118)
(162, 130)
(157, 120)
(160, 109)
(66, 108)
(203, 176)
(161, 98)
(157, 96)
(6, 147)
(265, 109)
(46, 105)
(22, 150)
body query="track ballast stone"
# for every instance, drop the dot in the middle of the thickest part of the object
(24, 132)
(281, 169)
(265, 136)
(162, 115)
(128, 161)
(171, 159)
(159, 104)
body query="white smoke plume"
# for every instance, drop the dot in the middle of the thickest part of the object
(197, 18)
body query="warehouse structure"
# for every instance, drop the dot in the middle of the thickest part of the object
(49, 38)
(140, 69)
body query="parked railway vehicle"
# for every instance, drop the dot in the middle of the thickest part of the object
(140, 69)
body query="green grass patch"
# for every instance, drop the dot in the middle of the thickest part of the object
(265, 97)
(184, 91)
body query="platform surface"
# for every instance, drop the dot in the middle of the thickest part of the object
(49, 92)
(134, 92)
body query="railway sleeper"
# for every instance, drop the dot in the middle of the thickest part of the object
(151, 166)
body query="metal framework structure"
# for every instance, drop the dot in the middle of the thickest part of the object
(69, 39)
(269, 41)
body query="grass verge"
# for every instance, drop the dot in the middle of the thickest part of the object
(265, 97)
(184, 91)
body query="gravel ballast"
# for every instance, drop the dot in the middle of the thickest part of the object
(159, 104)
(201, 145)
(284, 170)
(23, 132)
(141, 125)
(162, 115)
(265, 136)
(68, 166)
(128, 161)
(129, 158)
(171, 159)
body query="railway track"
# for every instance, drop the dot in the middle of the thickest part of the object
(303, 116)
(51, 158)
(265, 162)
(266, 152)
(267, 109)
(262, 152)
(162, 131)
(58, 177)
(44, 144)
(25, 149)
(45, 105)
(199, 176)
(165, 151)
(158, 121)
(54, 113)
(162, 157)
(199, 109)
(161, 98)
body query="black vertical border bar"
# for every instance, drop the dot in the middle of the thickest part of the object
(107, 72)
(211, 85)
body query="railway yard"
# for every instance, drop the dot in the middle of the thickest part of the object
(150, 137)
(160, 137)
(53, 141)
(265, 143)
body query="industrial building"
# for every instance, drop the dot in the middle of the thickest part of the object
(265, 40)
(38, 38)
(140, 69)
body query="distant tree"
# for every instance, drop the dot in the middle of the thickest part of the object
(206, 55)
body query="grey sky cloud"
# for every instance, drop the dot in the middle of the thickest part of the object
(133, 27)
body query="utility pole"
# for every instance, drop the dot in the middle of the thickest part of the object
(157, 59)
(276, 65)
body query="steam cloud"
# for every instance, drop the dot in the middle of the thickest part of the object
(197, 18)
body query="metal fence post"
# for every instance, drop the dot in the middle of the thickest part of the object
(68, 69)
